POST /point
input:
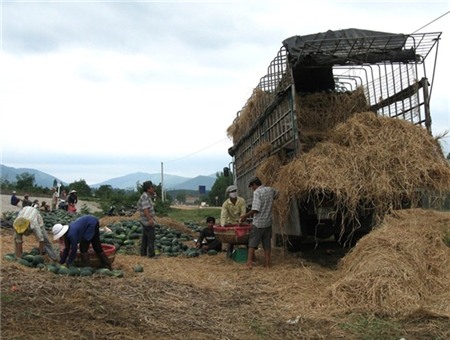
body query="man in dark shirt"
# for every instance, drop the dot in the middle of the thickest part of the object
(26, 202)
(14, 199)
(207, 234)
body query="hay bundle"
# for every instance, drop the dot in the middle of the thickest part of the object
(268, 170)
(319, 112)
(370, 160)
(400, 269)
(255, 106)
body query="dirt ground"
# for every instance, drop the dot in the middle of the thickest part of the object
(196, 298)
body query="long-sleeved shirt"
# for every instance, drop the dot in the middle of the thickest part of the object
(230, 212)
(82, 228)
(36, 223)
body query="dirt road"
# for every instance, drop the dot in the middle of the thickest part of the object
(6, 205)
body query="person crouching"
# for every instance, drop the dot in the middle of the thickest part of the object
(208, 235)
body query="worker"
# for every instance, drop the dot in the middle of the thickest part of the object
(28, 221)
(26, 202)
(263, 197)
(14, 199)
(232, 209)
(148, 220)
(208, 235)
(73, 200)
(85, 230)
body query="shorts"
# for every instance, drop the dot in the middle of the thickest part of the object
(260, 235)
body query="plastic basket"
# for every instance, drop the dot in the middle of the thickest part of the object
(237, 234)
(95, 262)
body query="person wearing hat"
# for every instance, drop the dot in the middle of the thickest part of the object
(261, 232)
(14, 199)
(85, 231)
(28, 221)
(147, 219)
(73, 200)
(232, 209)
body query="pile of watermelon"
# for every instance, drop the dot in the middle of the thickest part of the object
(32, 259)
(124, 235)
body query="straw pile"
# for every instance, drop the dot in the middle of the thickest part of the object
(254, 107)
(401, 269)
(318, 113)
(375, 161)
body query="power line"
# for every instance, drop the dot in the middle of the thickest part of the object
(431, 22)
(196, 152)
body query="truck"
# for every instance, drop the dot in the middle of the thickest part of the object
(385, 73)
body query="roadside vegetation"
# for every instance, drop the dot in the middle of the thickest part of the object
(108, 197)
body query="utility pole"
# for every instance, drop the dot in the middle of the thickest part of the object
(162, 183)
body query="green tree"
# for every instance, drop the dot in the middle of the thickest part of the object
(81, 188)
(104, 192)
(181, 197)
(448, 157)
(218, 189)
(25, 181)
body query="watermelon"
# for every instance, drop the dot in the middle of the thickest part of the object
(138, 268)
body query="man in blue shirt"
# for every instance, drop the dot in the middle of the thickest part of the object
(14, 199)
(85, 230)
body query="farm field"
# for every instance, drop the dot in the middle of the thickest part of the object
(392, 285)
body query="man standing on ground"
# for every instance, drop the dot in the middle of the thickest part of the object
(262, 220)
(147, 218)
(54, 199)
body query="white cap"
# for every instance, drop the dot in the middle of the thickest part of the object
(231, 188)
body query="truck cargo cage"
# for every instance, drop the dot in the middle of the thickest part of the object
(386, 69)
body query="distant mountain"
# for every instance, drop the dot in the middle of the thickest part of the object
(194, 183)
(129, 181)
(42, 179)
(171, 182)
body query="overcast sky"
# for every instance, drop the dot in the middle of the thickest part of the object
(97, 89)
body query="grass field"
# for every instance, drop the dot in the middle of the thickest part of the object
(195, 214)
